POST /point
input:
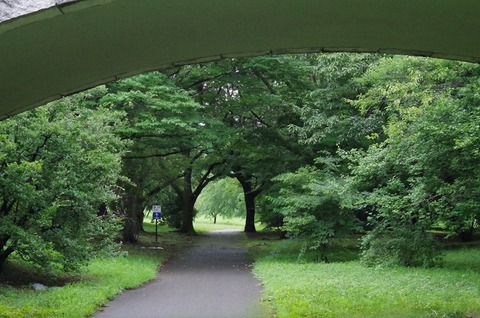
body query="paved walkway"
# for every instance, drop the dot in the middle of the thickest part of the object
(213, 279)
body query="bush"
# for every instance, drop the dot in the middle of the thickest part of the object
(58, 164)
(172, 208)
(309, 203)
(400, 246)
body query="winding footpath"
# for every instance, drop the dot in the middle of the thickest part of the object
(212, 279)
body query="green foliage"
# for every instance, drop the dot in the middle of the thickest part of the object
(327, 118)
(310, 204)
(252, 98)
(171, 207)
(312, 201)
(390, 141)
(157, 111)
(421, 175)
(58, 163)
(222, 197)
(400, 246)
(174, 145)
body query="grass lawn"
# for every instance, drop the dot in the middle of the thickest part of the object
(298, 285)
(203, 224)
(81, 294)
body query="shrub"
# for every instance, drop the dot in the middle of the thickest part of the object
(400, 246)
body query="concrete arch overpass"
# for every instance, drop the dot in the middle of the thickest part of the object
(53, 48)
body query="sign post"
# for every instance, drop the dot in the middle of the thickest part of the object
(156, 214)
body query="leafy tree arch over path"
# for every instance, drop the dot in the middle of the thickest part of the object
(52, 48)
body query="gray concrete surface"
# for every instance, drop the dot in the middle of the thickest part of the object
(10, 9)
(212, 279)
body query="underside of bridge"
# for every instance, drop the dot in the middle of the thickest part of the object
(50, 49)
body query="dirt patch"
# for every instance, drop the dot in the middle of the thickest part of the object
(15, 274)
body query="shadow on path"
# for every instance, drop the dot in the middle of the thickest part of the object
(213, 279)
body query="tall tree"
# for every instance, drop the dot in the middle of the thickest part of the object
(309, 200)
(253, 98)
(163, 123)
(423, 173)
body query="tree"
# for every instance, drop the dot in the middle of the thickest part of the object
(58, 164)
(222, 197)
(327, 120)
(193, 185)
(310, 202)
(170, 140)
(253, 98)
(423, 174)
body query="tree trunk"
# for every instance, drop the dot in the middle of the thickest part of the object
(249, 195)
(467, 234)
(4, 255)
(215, 219)
(132, 224)
(188, 204)
(140, 215)
(250, 212)
(102, 210)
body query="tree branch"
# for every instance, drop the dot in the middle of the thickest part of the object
(205, 179)
(208, 79)
(39, 148)
(156, 155)
(164, 185)
(429, 199)
(259, 119)
(264, 80)
(198, 155)
(177, 189)
(140, 136)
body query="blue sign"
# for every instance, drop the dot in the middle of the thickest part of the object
(157, 212)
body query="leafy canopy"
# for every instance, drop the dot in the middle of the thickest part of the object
(58, 164)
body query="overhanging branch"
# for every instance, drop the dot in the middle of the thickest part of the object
(206, 179)
(265, 82)
(156, 155)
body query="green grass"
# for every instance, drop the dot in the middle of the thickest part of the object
(85, 292)
(204, 224)
(150, 227)
(101, 280)
(296, 281)
(298, 286)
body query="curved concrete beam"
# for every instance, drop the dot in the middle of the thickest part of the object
(49, 48)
